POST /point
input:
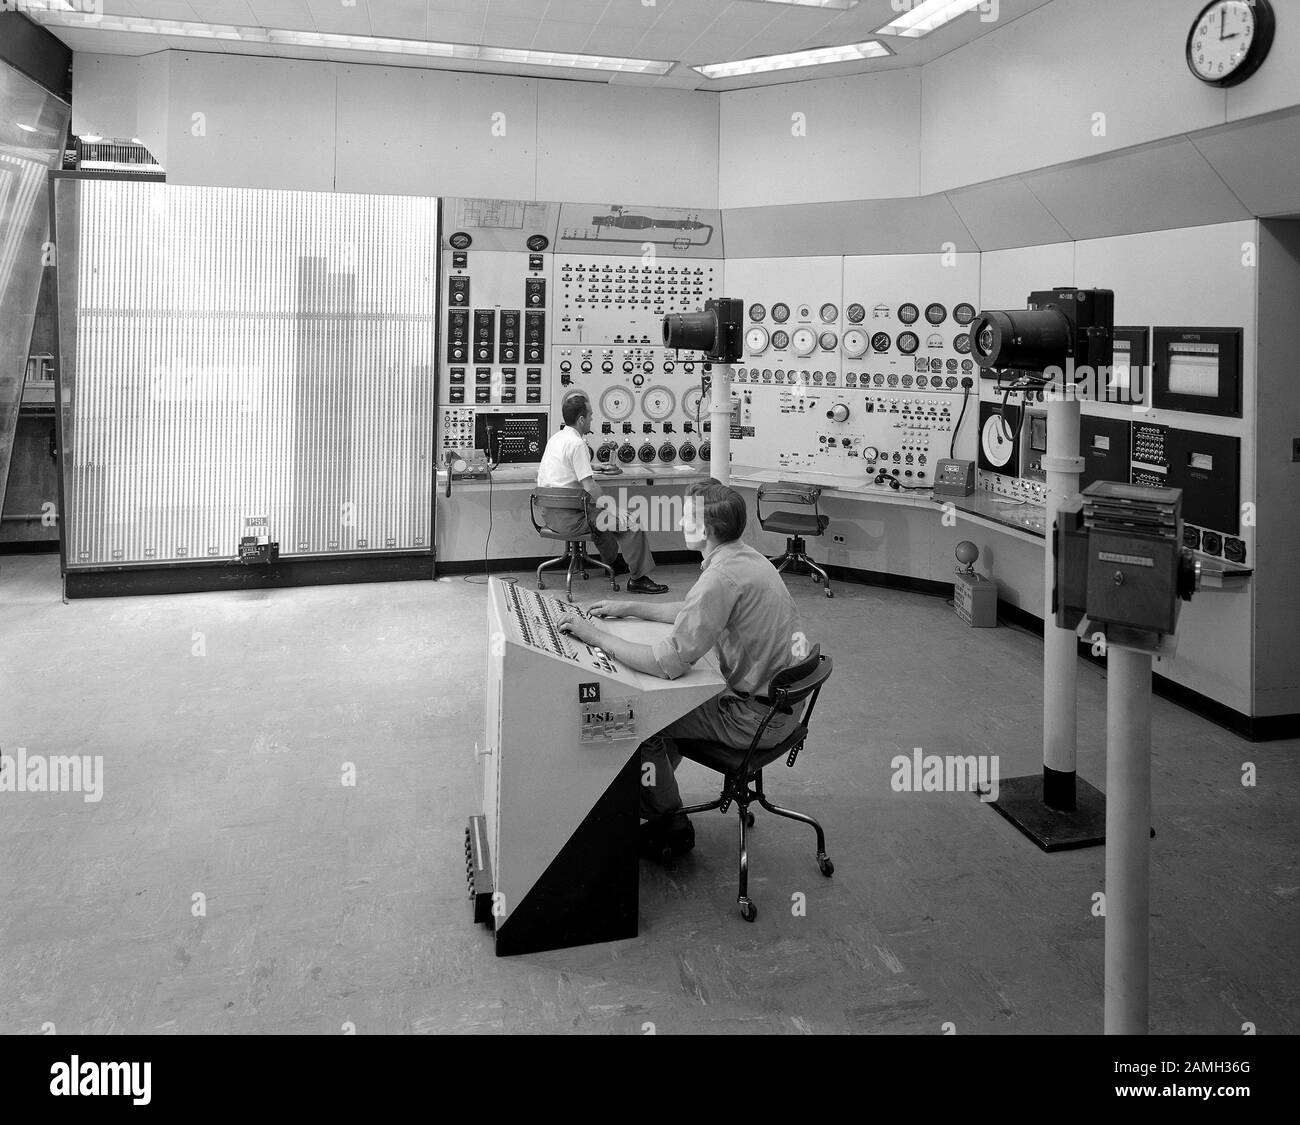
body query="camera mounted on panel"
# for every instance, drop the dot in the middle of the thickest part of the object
(1062, 336)
(717, 330)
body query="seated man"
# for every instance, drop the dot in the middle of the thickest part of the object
(566, 463)
(741, 606)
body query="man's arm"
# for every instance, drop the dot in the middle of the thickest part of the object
(663, 612)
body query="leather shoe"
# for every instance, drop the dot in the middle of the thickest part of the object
(645, 585)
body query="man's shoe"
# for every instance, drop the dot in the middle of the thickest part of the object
(645, 586)
(661, 842)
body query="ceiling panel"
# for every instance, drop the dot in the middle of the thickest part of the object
(399, 19)
(1259, 161)
(341, 19)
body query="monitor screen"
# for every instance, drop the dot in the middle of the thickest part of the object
(1194, 369)
(1038, 433)
(1121, 366)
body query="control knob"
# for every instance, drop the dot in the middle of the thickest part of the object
(838, 413)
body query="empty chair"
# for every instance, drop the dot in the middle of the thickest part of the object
(795, 524)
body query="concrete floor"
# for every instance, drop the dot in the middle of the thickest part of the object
(226, 721)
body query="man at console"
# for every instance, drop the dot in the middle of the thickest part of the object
(741, 606)
(566, 463)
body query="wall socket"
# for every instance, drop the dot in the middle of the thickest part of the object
(837, 538)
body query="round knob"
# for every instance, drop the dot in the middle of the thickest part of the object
(838, 413)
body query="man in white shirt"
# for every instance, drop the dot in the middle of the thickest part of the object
(566, 463)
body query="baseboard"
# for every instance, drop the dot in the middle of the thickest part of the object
(29, 547)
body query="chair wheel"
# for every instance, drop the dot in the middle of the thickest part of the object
(827, 867)
(584, 576)
(829, 593)
(614, 586)
(749, 820)
(748, 910)
(541, 585)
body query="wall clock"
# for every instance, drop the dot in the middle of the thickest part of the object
(1230, 40)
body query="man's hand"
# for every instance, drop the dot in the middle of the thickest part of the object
(608, 607)
(575, 625)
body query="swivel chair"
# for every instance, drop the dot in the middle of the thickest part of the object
(575, 558)
(795, 525)
(741, 768)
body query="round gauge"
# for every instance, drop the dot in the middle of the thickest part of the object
(995, 441)
(616, 404)
(780, 312)
(803, 341)
(756, 340)
(878, 379)
(538, 242)
(828, 341)
(830, 313)
(964, 313)
(757, 313)
(892, 379)
(951, 382)
(936, 313)
(908, 313)
(934, 340)
(856, 313)
(855, 343)
(881, 312)
(658, 403)
(907, 380)
(780, 340)
(923, 380)
(880, 342)
(460, 241)
(908, 342)
(962, 343)
(691, 401)
(805, 312)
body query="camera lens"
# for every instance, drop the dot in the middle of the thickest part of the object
(1023, 340)
(697, 331)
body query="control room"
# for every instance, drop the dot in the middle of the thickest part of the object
(640, 517)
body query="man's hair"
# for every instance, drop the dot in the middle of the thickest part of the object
(724, 509)
(575, 406)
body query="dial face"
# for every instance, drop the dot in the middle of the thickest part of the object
(830, 313)
(908, 342)
(935, 313)
(964, 313)
(934, 340)
(962, 343)
(780, 339)
(460, 241)
(908, 313)
(828, 341)
(757, 313)
(995, 440)
(1230, 40)
(691, 401)
(880, 342)
(856, 313)
(538, 242)
(803, 341)
(780, 312)
(855, 343)
(616, 404)
(756, 340)
(658, 403)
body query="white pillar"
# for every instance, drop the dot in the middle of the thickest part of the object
(720, 416)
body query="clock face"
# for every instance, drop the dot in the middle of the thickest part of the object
(1230, 40)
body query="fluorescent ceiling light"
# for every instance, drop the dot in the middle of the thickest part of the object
(362, 43)
(842, 5)
(925, 17)
(850, 52)
(27, 128)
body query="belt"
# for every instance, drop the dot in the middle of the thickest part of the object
(765, 702)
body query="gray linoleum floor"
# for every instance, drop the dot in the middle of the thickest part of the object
(225, 722)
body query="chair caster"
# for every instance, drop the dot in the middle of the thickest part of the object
(541, 585)
(614, 586)
(827, 867)
(749, 820)
(748, 910)
(829, 593)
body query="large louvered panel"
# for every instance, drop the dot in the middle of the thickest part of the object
(247, 353)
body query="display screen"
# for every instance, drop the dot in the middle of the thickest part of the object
(1121, 366)
(1194, 370)
(1201, 461)
(1101, 442)
(1038, 434)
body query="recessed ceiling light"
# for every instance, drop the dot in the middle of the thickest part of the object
(818, 57)
(925, 17)
(361, 43)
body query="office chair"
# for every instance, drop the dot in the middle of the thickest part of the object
(575, 558)
(795, 525)
(789, 688)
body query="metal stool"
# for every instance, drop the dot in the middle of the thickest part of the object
(795, 525)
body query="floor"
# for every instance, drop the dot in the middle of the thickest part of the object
(229, 881)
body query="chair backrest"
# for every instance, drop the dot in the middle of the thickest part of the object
(791, 686)
(803, 493)
(565, 499)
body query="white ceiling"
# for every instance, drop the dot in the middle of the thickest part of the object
(688, 32)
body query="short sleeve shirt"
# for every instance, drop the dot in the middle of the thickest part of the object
(566, 461)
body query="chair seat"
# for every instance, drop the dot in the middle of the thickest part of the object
(728, 759)
(795, 523)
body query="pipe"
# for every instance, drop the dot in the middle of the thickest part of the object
(720, 432)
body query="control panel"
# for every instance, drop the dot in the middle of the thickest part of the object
(621, 300)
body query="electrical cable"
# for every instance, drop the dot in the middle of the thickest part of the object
(473, 579)
(965, 398)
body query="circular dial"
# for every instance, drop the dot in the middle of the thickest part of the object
(934, 340)
(880, 342)
(856, 313)
(995, 441)
(803, 341)
(780, 339)
(691, 401)
(962, 343)
(460, 241)
(538, 242)
(1230, 40)
(964, 313)
(908, 342)
(838, 413)
(855, 343)
(780, 312)
(936, 313)
(830, 313)
(616, 404)
(908, 313)
(757, 313)
(828, 341)
(756, 340)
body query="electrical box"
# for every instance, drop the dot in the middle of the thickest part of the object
(975, 598)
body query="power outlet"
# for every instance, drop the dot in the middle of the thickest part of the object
(837, 538)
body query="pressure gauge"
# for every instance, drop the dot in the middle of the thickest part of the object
(803, 341)
(829, 313)
(537, 243)
(934, 341)
(756, 340)
(936, 313)
(691, 402)
(962, 343)
(908, 313)
(805, 313)
(964, 313)
(880, 342)
(856, 313)
(460, 241)
(828, 341)
(616, 404)
(658, 403)
(780, 312)
(855, 343)
(908, 342)
(996, 441)
(757, 313)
